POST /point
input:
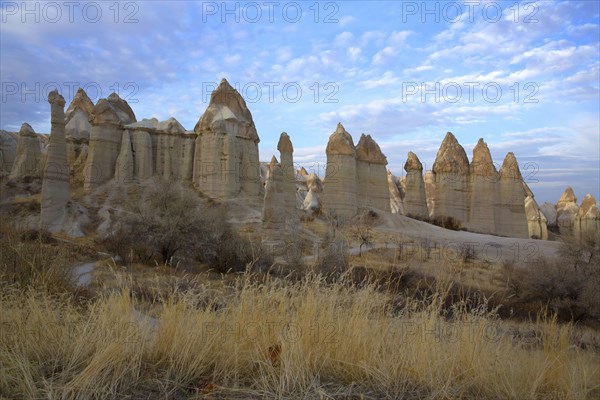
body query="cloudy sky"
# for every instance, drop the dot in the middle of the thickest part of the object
(523, 76)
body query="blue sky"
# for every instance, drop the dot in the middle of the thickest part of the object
(524, 76)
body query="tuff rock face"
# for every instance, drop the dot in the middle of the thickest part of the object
(108, 118)
(312, 201)
(451, 172)
(397, 194)
(28, 157)
(415, 199)
(566, 210)
(77, 116)
(339, 192)
(537, 223)
(372, 186)
(124, 166)
(549, 211)
(587, 220)
(226, 151)
(55, 184)
(8, 151)
(509, 213)
(429, 180)
(286, 150)
(273, 215)
(484, 181)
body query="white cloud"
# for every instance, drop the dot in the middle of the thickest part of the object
(387, 78)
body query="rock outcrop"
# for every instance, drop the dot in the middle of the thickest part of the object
(312, 201)
(141, 143)
(286, 150)
(77, 116)
(396, 194)
(28, 157)
(55, 185)
(226, 151)
(339, 192)
(415, 199)
(429, 180)
(509, 212)
(587, 219)
(273, 215)
(483, 186)
(124, 166)
(451, 172)
(566, 210)
(8, 151)
(108, 118)
(537, 223)
(372, 190)
(549, 211)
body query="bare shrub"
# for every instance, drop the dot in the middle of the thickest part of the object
(568, 286)
(333, 261)
(174, 225)
(446, 222)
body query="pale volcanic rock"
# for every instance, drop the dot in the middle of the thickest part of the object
(451, 172)
(8, 151)
(141, 143)
(566, 211)
(415, 200)
(226, 151)
(286, 150)
(509, 212)
(303, 172)
(173, 150)
(587, 220)
(273, 215)
(312, 201)
(549, 211)
(107, 119)
(55, 184)
(429, 180)
(396, 194)
(27, 161)
(537, 223)
(484, 182)
(372, 190)
(77, 116)
(339, 192)
(124, 166)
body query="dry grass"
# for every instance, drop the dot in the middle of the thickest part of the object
(275, 340)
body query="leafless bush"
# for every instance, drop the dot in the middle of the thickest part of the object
(333, 262)
(567, 286)
(446, 222)
(173, 224)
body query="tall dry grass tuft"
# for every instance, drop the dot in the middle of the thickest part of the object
(309, 339)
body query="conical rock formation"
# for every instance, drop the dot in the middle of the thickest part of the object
(372, 187)
(273, 215)
(339, 191)
(286, 150)
(107, 119)
(451, 171)
(28, 157)
(566, 210)
(397, 194)
(415, 200)
(587, 220)
(509, 212)
(55, 185)
(226, 151)
(483, 187)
